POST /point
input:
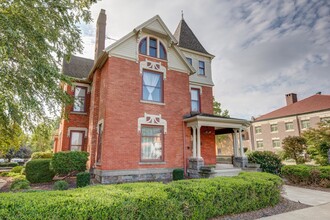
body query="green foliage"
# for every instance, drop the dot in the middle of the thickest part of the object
(42, 136)
(17, 169)
(42, 155)
(178, 174)
(19, 184)
(83, 179)
(39, 171)
(293, 148)
(318, 142)
(31, 54)
(10, 164)
(269, 161)
(69, 161)
(306, 175)
(218, 111)
(61, 185)
(184, 199)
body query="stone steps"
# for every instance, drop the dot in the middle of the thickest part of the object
(227, 172)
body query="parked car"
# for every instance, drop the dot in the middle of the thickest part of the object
(2, 160)
(17, 160)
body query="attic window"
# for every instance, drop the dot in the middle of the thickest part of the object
(152, 47)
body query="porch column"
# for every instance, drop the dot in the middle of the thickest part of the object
(194, 142)
(198, 141)
(241, 143)
(235, 143)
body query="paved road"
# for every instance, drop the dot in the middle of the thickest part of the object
(318, 199)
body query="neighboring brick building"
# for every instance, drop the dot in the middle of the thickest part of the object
(141, 109)
(268, 131)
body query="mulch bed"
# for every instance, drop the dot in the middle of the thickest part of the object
(284, 206)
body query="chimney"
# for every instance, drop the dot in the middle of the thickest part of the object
(291, 98)
(100, 34)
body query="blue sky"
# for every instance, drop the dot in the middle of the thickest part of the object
(263, 49)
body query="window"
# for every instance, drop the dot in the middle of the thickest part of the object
(273, 128)
(260, 144)
(155, 48)
(151, 143)
(305, 124)
(99, 143)
(76, 140)
(289, 126)
(79, 99)
(152, 87)
(189, 60)
(201, 68)
(276, 143)
(258, 130)
(195, 100)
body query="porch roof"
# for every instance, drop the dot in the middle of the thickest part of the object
(221, 124)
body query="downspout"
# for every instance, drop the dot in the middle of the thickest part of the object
(298, 124)
(184, 147)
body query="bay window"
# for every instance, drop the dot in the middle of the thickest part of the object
(151, 143)
(152, 88)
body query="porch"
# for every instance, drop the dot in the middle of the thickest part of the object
(202, 124)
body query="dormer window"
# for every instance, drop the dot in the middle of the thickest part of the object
(152, 47)
(201, 68)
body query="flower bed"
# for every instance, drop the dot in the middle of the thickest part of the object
(184, 199)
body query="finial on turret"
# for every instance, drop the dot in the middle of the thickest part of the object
(182, 15)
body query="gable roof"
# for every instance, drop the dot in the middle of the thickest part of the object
(77, 67)
(313, 103)
(187, 38)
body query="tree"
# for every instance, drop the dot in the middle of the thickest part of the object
(318, 142)
(293, 148)
(35, 36)
(42, 137)
(218, 111)
(11, 139)
(23, 152)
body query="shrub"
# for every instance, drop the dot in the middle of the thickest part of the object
(9, 174)
(307, 175)
(293, 148)
(269, 161)
(19, 184)
(83, 179)
(39, 171)
(42, 155)
(184, 199)
(17, 169)
(178, 174)
(70, 161)
(10, 164)
(61, 185)
(4, 174)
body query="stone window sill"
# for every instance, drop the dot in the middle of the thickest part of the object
(153, 103)
(79, 113)
(148, 163)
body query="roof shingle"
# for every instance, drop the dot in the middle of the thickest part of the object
(78, 67)
(187, 38)
(313, 103)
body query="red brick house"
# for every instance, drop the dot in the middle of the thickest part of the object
(144, 106)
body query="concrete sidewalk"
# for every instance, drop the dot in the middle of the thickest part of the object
(318, 199)
(2, 183)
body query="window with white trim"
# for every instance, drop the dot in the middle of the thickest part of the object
(260, 144)
(76, 140)
(99, 143)
(258, 130)
(152, 47)
(195, 100)
(152, 143)
(79, 104)
(289, 126)
(152, 86)
(305, 124)
(273, 128)
(276, 143)
(201, 67)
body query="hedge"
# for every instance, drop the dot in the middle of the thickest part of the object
(42, 155)
(9, 164)
(83, 179)
(307, 175)
(183, 199)
(68, 161)
(39, 171)
(269, 161)
(178, 174)
(17, 169)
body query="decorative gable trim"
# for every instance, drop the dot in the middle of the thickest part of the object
(153, 66)
(152, 120)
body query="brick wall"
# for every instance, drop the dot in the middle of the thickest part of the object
(208, 145)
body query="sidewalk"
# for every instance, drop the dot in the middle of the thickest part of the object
(2, 183)
(318, 199)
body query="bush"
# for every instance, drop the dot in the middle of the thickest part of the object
(39, 171)
(19, 184)
(83, 179)
(61, 185)
(9, 174)
(69, 161)
(42, 155)
(178, 174)
(10, 164)
(307, 175)
(17, 169)
(269, 161)
(184, 199)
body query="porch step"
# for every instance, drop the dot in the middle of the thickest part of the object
(221, 166)
(227, 172)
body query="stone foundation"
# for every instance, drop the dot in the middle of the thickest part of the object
(240, 162)
(194, 167)
(139, 175)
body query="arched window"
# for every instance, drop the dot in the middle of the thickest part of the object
(152, 47)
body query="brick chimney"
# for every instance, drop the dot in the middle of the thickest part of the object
(100, 34)
(291, 98)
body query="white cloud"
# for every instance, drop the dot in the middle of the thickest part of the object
(263, 49)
